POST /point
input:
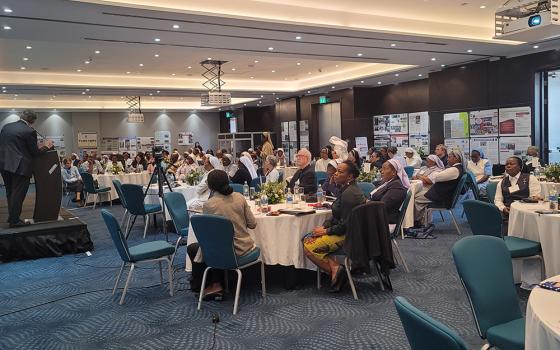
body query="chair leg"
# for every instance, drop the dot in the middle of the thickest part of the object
(124, 217)
(352, 286)
(441, 214)
(263, 280)
(543, 271)
(118, 278)
(127, 283)
(170, 272)
(202, 286)
(128, 221)
(129, 228)
(160, 274)
(95, 198)
(318, 278)
(226, 281)
(486, 347)
(237, 290)
(110, 198)
(146, 222)
(400, 256)
(379, 276)
(455, 222)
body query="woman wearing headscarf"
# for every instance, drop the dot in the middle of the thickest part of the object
(481, 169)
(189, 164)
(393, 190)
(245, 172)
(270, 171)
(211, 163)
(340, 149)
(282, 161)
(323, 161)
(428, 172)
(412, 158)
(229, 167)
(330, 187)
(267, 148)
(354, 157)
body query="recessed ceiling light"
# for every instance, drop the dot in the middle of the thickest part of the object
(151, 94)
(308, 91)
(173, 74)
(127, 72)
(22, 68)
(97, 52)
(396, 74)
(158, 91)
(157, 40)
(443, 65)
(393, 45)
(535, 46)
(141, 64)
(262, 96)
(332, 87)
(156, 55)
(256, 61)
(86, 62)
(176, 26)
(361, 81)
(274, 93)
(233, 69)
(87, 90)
(26, 59)
(420, 74)
(29, 47)
(482, 6)
(308, 72)
(189, 67)
(298, 37)
(336, 66)
(7, 27)
(270, 48)
(469, 50)
(78, 70)
(209, 58)
(360, 54)
(7, 10)
(83, 92)
(89, 96)
(273, 71)
(299, 63)
(3, 88)
(251, 77)
(433, 58)
(244, 104)
(379, 83)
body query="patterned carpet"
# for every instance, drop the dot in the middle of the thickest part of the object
(66, 303)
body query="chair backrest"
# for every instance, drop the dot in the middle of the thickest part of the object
(402, 214)
(256, 182)
(237, 187)
(118, 188)
(280, 176)
(215, 236)
(134, 197)
(177, 207)
(459, 189)
(321, 177)
(484, 266)
(425, 333)
(471, 183)
(491, 188)
(484, 218)
(89, 185)
(366, 188)
(409, 171)
(116, 234)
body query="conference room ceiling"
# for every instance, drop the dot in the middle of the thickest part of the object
(118, 47)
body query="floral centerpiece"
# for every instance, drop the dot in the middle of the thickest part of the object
(368, 177)
(552, 172)
(193, 177)
(116, 169)
(274, 191)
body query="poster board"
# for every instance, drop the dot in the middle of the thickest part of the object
(462, 144)
(362, 145)
(381, 141)
(513, 146)
(163, 138)
(420, 142)
(390, 123)
(128, 144)
(400, 141)
(185, 138)
(484, 123)
(144, 144)
(87, 140)
(488, 145)
(110, 144)
(304, 132)
(419, 123)
(515, 121)
(456, 125)
(58, 143)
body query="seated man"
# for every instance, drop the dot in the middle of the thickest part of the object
(445, 183)
(72, 180)
(481, 169)
(305, 176)
(441, 152)
(515, 186)
(532, 160)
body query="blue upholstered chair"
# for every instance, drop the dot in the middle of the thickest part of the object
(366, 188)
(256, 182)
(134, 197)
(472, 185)
(215, 236)
(237, 187)
(89, 187)
(485, 269)
(280, 176)
(455, 199)
(177, 207)
(485, 219)
(425, 333)
(491, 188)
(155, 251)
(409, 171)
(398, 230)
(321, 177)
(118, 188)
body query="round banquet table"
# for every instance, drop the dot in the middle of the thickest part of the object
(415, 187)
(106, 180)
(189, 192)
(524, 222)
(279, 237)
(542, 322)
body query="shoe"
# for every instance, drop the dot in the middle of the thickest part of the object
(339, 272)
(19, 224)
(340, 283)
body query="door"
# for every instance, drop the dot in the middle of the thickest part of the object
(328, 117)
(553, 105)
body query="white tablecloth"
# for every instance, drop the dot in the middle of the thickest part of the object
(106, 180)
(415, 186)
(189, 192)
(279, 237)
(542, 323)
(525, 223)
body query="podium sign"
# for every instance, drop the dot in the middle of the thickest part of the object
(48, 186)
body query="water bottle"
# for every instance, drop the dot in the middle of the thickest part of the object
(264, 203)
(296, 194)
(246, 191)
(289, 199)
(320, 196)
(553, 198)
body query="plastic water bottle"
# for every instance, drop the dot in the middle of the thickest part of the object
(296, 194)
(320, 195)
(289, 200)
(553, 198)
(246, 190)
(264, 203)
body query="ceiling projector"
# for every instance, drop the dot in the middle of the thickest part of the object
(528, 20)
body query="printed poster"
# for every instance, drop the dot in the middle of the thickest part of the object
(484, 123)
(144, 144)
(185, 138)
(389, 124)
(513, 146)
(304, 133)
(127, 144)
(458, 144)
(110, 144)
(456, 125)
(489, 146)
(362, 145)
(381, 141)
(419, 123)
(400, 141)
(87, 140)
(163, 138)
(515, 121)
(420, 142)
(292, 131)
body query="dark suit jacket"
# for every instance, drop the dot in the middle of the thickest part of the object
(307, 180)
(18, 147)
(393, 196)
(240, 176)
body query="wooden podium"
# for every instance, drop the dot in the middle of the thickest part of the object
(48, 186)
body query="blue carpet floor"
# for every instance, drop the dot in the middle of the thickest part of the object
(66, 303)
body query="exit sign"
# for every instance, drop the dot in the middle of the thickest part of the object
(230, 115)
(323, 99)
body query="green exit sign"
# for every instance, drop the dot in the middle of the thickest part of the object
(230, 115)
(323, 99)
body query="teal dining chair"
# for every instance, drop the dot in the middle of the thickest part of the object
(425, 333)
(134, 197)
(321, 177)
(89, 187)
(366, 188)
(237, 187)
(118, 188)
(491, 188)
(398, 230)
(155, 251)
(484, 267)
(409, 171)
(177, 207)
(455, 200)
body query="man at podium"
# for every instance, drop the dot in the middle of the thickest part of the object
(18, 147)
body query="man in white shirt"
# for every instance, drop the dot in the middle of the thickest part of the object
(321, 163)
(515, 186)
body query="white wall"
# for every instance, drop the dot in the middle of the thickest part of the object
(205, 126)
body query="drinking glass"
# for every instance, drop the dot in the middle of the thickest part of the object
(301, 197)
(252, 192)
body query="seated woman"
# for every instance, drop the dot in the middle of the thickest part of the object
(174, 164)
(233, 206)
(139, 163)
(515, 186)
(211, 163)
(272, 175)
(329, 238)
(393, 190)
(481, 168)
(323, 161)
(188, 165)
(282, 161)
(72, 180)
(114, 165)
(330, 187)
(245, 172)
(354, 157)
(412, 158)
(376, 160)
(229, 167)
(427, 173)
